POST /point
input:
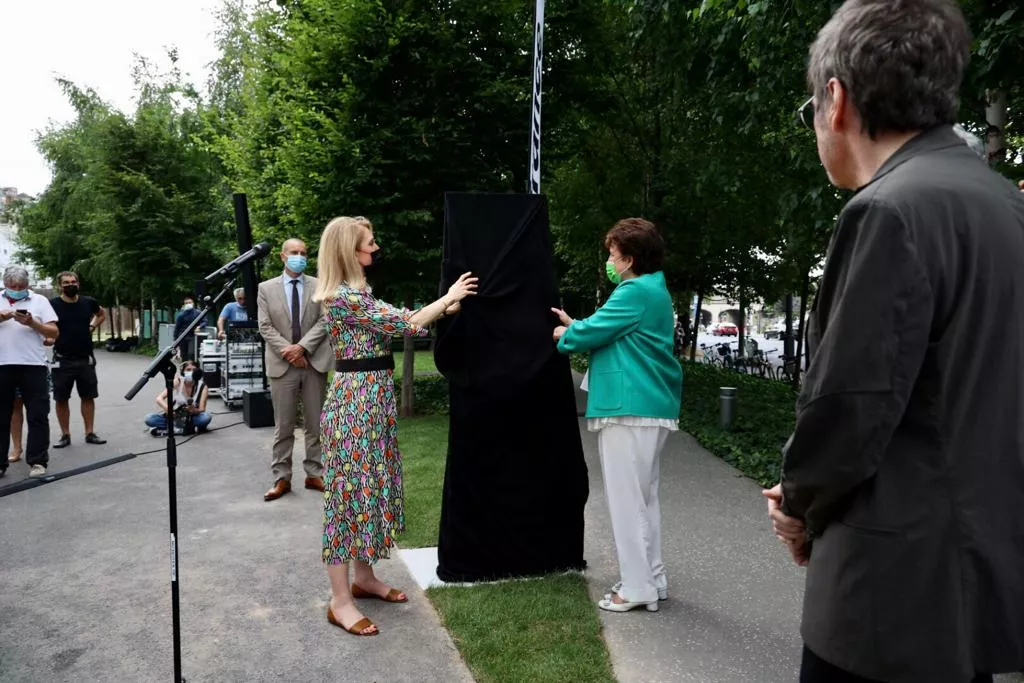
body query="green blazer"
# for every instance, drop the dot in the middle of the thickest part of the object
(633, 370)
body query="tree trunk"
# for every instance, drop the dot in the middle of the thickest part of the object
(787, 346)
(741, 328)
(804, 294)
(154, 326)
(408, 369)
(697, 322)
(996, 115)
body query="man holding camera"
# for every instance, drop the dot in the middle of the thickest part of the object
(26, 321)
(73, 360)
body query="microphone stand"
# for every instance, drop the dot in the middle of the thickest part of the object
(164, 365)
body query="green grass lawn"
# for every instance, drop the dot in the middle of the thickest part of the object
(424, 363)
(424, 443)
(532, 631)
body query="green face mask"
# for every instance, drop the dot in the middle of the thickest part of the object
(614, 276)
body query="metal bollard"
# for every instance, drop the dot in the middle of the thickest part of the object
(727, 405)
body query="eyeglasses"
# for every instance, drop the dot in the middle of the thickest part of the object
(806, 113)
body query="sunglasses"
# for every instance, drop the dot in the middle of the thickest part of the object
(806, 113)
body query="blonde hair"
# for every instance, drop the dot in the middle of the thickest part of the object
(337, 260)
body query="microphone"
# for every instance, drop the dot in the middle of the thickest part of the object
(259, 251)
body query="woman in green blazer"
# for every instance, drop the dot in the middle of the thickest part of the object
(635, 387)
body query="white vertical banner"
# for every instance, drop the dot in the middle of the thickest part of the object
(538, 71)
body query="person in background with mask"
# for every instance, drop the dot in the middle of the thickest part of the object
(73, 360)
(26, 321)
(635, 387)
(233, 312)
(190, 394)
(188, 313)
(296, 362)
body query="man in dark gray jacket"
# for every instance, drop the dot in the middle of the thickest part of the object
(903, 483)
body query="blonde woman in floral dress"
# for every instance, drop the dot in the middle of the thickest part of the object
(363, 501)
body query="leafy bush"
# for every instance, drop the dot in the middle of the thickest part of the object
(430, 393)
(580, 362)
(765, 415)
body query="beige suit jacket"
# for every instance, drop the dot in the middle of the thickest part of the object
(275, 321)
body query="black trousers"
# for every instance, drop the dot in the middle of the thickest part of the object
(31, 380)
(814, 669)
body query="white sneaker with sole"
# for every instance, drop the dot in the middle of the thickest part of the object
(37, 471)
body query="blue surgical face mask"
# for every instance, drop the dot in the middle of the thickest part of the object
(16, 294)
(296, 263)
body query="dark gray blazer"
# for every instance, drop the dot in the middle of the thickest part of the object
(907, 461)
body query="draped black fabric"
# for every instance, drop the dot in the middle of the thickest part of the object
(515, 484)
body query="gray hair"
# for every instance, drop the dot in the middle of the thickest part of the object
(900, 61)
(239, 291)
(15, 275)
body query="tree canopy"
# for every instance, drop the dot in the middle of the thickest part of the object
(682, 112)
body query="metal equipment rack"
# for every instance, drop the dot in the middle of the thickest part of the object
(243, 361)
(212, 355)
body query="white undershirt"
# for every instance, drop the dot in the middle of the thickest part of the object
(596, 424)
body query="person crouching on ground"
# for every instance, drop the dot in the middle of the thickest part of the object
(190, 395)
(635, 388)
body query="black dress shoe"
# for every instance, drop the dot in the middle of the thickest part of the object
(64, 442)
(92, 438)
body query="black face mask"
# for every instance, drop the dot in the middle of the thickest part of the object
(71, 290)
(374, 257)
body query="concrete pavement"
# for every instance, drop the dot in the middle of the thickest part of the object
(84, 568)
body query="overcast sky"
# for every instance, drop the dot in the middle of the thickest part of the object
(90, 42)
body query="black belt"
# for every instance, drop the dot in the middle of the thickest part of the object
(364, 364)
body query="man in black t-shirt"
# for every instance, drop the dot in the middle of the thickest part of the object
(73, 360)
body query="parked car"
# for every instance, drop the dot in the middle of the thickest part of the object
(725, 330)
(778, 330)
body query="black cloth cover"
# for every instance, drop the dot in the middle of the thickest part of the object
(515, 484)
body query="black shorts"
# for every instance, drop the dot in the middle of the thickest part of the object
(72, 372)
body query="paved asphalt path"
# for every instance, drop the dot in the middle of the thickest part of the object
(84, 568)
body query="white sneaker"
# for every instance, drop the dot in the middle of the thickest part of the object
(37, 471)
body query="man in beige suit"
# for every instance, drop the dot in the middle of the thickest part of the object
(297, 359)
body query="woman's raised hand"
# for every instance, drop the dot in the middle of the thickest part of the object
(563, 317)
(463, 287)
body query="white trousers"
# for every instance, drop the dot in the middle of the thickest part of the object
(631, 461)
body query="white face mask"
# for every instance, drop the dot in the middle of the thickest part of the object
(187, 307)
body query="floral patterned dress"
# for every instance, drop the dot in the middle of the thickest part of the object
(363, 499)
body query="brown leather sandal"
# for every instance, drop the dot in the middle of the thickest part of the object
(392, 596)
(355, 629)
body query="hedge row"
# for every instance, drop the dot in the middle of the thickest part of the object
(763, 422)
(430, 394)
(765, 415)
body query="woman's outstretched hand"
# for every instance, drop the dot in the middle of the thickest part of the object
(563, 317)
(463, 287)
